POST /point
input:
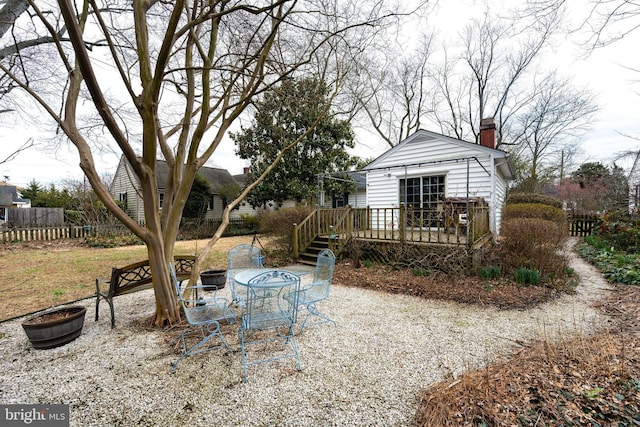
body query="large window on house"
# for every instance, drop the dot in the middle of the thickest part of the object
(422, 195)
(160, 199)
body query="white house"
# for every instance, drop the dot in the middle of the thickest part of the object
(428, 168)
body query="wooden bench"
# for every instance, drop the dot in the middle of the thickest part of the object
(134, 277)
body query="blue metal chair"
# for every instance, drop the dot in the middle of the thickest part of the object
(204, 316)
(318, 290)
(242, 257)
(268, 318)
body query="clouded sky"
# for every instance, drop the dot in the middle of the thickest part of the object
(606, 71)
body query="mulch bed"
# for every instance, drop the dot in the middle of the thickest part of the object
(500, 293)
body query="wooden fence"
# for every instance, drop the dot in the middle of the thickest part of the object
(29, 234)
(35, 217)
(582, 225)
(45, 233)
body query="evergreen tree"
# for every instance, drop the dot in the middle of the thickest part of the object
(281, 117)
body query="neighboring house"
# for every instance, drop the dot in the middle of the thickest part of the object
(427, 169)
(634, 185)
(244, 208)
(9, 198)
(355, 196)
(124, 188)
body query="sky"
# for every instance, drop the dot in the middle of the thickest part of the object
(605, 71)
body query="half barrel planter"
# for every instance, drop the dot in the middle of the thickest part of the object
(213, 279)
(55, 328)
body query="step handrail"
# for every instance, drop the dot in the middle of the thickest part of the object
(304, 233)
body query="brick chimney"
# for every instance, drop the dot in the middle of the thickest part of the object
(488, 132)
(245, 170)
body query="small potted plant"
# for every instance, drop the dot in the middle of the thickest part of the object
(56, 327)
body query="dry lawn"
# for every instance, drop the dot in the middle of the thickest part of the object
(39, 275)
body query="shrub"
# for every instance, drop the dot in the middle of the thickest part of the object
(620, 231)
(489, 272)
(112, 241)
(278, 224)
(516, 198)
(250, 221)
(527, 276)
(533, 243)
(535, 210)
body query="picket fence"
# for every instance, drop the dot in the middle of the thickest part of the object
(187, 231)
(31, 234)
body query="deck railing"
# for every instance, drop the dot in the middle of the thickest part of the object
(448, 223)
(445, 224)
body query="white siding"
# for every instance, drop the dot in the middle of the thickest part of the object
(466, 167)
(124, 182)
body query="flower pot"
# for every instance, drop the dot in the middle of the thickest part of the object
(213, 279)
(55, 327)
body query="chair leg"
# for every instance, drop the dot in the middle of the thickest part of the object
(289, 339)
(197, 348)
(312, 310)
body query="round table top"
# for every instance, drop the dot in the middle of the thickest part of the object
(243, 277)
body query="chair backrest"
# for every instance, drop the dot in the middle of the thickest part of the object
(271, 300)
(243, 257)
(323, 274)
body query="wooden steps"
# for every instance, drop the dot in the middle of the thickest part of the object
(310, 255)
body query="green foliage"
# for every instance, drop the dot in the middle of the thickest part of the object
(72, 216)
(283, 116)
(527, 276)
(620, 230)
(251, 221)
(229, 191)
(112, 241)
(616, 267)
(516, 198)
(279, 225)
(421, 272)
(198, 200)
(534, 210)
(489, 272)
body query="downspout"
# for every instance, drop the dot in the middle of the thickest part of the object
(493, 204)
(467, 201)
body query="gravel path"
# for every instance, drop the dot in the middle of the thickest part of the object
(365, 371)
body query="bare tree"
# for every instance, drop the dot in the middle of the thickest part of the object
(28, 144)
(167, 79)
(604, 21)
(395, 97)
(493, 73)
(548, 126)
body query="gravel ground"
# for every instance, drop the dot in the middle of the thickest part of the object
(365, 371)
